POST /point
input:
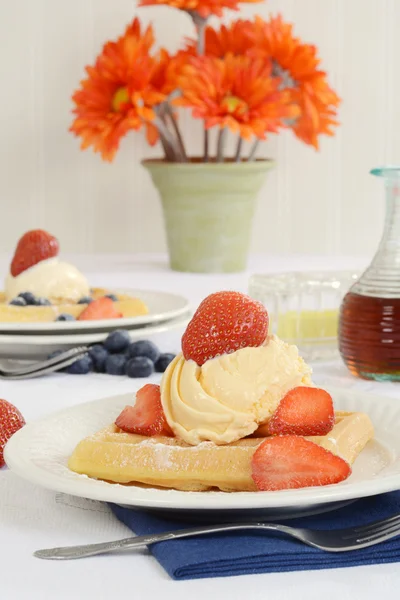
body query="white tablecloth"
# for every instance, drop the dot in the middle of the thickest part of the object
(32, 518)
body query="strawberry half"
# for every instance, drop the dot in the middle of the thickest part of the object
(224, 323)
(146, 417)
(10, 421)
(289, 461)
(303, 411)
(32, 248)
(102, 308)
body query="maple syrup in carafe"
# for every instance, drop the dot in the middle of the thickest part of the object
(369, 321)
(369, 336)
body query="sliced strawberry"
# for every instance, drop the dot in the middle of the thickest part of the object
(303, 411)
(224, 323)
(102, 308)
(146, 417)
(289, 461)
(10, 421)
(32, 248)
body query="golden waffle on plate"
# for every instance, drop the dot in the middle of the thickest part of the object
(119, 457)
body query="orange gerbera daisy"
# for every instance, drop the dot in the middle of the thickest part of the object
(235, 38)
(118, 94)
(204, 8)
(297, 65)
(167, 70)
(237, 92)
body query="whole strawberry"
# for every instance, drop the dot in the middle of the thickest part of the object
(10, 421)
(32, 248)
(224, 323)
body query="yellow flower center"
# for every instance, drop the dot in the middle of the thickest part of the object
(120, 98)
(234, 104)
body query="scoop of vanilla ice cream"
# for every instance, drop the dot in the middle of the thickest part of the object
(231, 395)
(49, 279)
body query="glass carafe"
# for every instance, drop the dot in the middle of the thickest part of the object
(369, 322)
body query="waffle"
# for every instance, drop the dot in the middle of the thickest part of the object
(127, 305)
(119, 457)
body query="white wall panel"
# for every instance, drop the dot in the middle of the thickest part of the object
(313, 202)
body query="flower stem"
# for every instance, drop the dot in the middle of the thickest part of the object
(238, 149)
(221, 144)
(171, 149)
(201, 24)
(168, 111)
(201, 41)
(253, 150)
(169, 154)
(206, 144)
(168, 150)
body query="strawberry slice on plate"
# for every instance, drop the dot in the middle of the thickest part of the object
(102, 308)
(289, 461)
(146, 417)
(10, 421)
(223, 323)
(34, 246)
(303, 411)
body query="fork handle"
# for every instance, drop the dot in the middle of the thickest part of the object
(72, 552)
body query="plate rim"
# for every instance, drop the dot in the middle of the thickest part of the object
(69, 326)
(175, 499)
(38, 347)
(91, 336)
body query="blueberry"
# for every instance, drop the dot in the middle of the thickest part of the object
(115, 364)
(144, 348)
(82, 366)
(98, 354)
(85, 300)
(42, 302)
(28, 297)
(112, 297)
(117, 341)
(65, 317)
(163, 361)
(18, 301)
(140, 366)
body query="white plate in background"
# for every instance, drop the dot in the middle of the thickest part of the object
(163, 306)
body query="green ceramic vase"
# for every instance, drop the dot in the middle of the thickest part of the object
(208, 211)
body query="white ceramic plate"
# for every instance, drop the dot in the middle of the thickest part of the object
(162, 307)
(39, 346)
(39, 453)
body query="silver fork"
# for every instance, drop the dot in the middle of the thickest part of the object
(339, 540)
(43, 367)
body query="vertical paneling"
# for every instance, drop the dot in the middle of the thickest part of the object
(68, 194)
(367, 124)
(313, 202)
(20, 152)
(309, 173)
(395, 91)
(274, 204)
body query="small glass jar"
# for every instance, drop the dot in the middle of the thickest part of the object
(303, 308)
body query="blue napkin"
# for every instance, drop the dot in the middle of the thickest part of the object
(223, 555)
